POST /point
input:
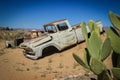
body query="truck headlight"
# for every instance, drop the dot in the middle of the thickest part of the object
(29, 51)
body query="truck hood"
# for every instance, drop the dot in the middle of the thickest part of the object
(36, 42)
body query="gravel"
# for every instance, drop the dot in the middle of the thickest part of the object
(80, 76)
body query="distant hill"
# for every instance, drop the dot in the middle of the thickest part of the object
(5, 28)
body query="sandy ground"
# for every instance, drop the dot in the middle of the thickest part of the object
(15, 66)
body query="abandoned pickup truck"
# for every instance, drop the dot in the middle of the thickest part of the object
(58, 35)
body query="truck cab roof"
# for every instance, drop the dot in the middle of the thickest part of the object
(55, 22)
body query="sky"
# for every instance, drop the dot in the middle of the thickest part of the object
(33, 14)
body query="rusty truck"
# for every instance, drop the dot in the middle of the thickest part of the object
(58, 34)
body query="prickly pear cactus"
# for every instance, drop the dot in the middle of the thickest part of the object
(114, 39)
(113, 32)
(97, 66)
(84, 30)
(94, 45)
(93, 27)
(105, 49)
(114, 35)
(80, 61)
(87, 57)
(116, 72)
(115, 20)
(95, 52)
(105, 75)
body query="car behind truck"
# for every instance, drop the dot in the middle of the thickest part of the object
(58, 35)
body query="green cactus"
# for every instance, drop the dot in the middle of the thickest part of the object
(84, 30)
(94, 45)
(114, 39)
(94, 54)
(105, 49)
(113, 32)
(91, 25)
(116, 72)
(114, 35)
(96, 51)
(97, 66)
(87, 56)
(115, 20)
(96, 28)
(105, 75)
(80, 61)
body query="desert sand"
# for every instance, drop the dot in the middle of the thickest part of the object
(15, 66)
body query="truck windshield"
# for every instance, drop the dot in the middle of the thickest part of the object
(62, 26)
(50, 29)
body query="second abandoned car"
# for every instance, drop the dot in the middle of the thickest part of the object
(58, 35)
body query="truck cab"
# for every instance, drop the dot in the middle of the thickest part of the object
(62, 32)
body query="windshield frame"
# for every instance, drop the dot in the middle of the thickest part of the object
(50, 29)
(62, 26)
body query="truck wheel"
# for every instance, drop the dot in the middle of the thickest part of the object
(49, 51)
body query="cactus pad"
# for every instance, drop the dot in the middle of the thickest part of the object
(115, 40)
(97, 66)
(84, 30)
(94, 45)
(116, 72)
(115, 19)
(80, 61)
(106, 49)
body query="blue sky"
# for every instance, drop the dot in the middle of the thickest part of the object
(35, 13)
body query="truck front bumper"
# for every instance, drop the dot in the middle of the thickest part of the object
(29, 53)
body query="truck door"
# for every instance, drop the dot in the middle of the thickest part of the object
(66, 35)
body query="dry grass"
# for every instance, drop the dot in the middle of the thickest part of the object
(11, 35)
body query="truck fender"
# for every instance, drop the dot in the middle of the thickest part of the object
(50, 48)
